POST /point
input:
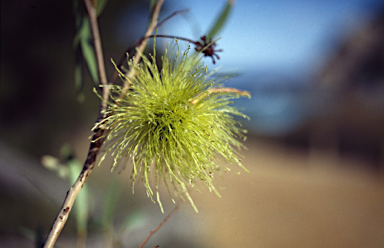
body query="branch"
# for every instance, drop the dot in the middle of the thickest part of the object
(92, 12)
(150, 30)
(172, 15)
(69, 200)
(98, 138)
(159, 226)
(131, 73)
(152, 36)
(114, 77)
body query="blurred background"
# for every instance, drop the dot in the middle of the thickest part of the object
(316, 135)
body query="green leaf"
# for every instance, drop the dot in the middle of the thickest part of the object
(79, 76)
(220, 21)
(90, 59)
(84, 49)
(78, 73)
(134, 221)
(83, 39)
(88, 50)
(81, 206)
(53, 164)
(100, 6)
(110, 204)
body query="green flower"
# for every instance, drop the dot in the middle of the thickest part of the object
(175, 123)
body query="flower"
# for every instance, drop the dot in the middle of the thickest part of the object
(175, 123)
(207, 47)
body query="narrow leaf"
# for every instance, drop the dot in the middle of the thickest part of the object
(79, 76)
(88, 51)
(100, 6)
(110, 204)
(90, 59)
(220, 21)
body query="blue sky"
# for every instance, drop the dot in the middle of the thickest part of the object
(272, 33)
(272, 43)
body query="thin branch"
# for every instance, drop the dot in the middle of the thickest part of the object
(152, 36)
(150, 30)
(98, 138)
(69, 200)
(159, 226)
(92, 12)
(115, 75)
(172, 15)
(131, 73)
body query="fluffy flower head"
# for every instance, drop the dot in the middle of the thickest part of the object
(175, 123)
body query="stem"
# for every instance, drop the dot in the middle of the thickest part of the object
(152, 36)
(172, 15)
(92, 12)
(143, 43)
(69, 200)
(114, 77)
(159, 226)
(99, 137)
(115, 74)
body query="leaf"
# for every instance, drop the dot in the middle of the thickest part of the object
(84, 49)
(78, 73)
(90, 59)
(100, 6)
(133, 221)
(79, 76)
(88, 51)
(110, 204)
(81, 206)
(84, 39)
(53, 164)
(220, 21)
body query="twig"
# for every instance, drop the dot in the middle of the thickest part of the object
(155, 16)
(159, 226)
(152, 36)
(172, 15)
(150, 30)
(115, 75)
(62, 217)
(98, 138)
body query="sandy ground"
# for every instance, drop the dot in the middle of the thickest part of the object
(288, 199)
(294, 200)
